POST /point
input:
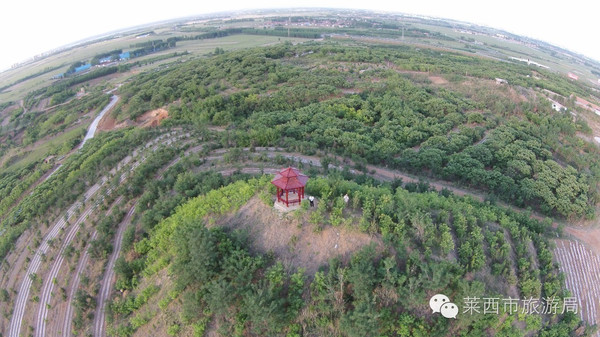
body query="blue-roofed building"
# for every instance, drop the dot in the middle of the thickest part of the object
(83, 67)
(105, 59)
(124, 56)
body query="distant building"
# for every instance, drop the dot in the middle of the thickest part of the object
(105, 60)
(124, 56)
(557, 106)
(573, 76)
(501, 81)
(83, 67)
(529, 62)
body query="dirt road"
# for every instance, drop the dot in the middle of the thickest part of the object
(48, 287)
(23, 294)
(107, 280)
(22, 297)
(66, 326)
(92, 130)
(379, 173)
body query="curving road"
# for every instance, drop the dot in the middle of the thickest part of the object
(47, 290)
(92, 130)
(105, 286)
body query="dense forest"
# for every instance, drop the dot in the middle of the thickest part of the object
(376, 105)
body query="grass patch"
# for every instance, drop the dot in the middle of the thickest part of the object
(43, 149)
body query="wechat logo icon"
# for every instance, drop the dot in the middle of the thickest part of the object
(441, 303)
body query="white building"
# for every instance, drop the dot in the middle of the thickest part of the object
(529, 62)
(557, 106)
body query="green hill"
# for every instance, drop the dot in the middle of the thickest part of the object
(192, 275)
(464, 168)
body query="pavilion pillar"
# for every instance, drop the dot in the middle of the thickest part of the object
(287, 202)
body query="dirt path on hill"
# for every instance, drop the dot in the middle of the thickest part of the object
(15, 276)
(590, 236)
(109, 274)
(36, 262)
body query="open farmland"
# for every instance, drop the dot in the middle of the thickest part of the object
(581, 267)
(62, 60)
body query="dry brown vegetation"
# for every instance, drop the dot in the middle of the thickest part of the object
(292, 238)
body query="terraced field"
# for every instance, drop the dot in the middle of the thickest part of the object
(581, 267)
(78, 214)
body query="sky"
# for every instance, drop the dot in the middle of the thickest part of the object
(28, 28)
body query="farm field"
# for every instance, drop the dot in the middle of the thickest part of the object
(506, 48)
(581, 267)
(62, 60)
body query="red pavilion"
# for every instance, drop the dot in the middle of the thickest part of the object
(290, 186)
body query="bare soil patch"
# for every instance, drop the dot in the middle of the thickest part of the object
(108, 123)
(152, 118)
(586, 104)
(351, 91)
(590, 236)
(438, 80)
(159, 321)
(148, 119)
(292, 238)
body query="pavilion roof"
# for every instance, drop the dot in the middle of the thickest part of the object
(289, 178)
